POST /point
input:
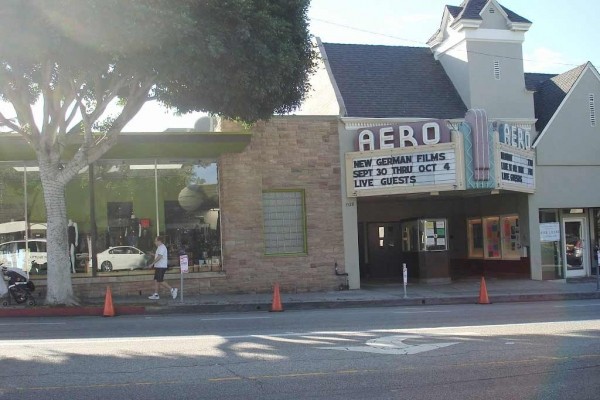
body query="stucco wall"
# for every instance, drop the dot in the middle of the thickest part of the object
(568, 161)
(501, 98)
(285, 153)
(570, 139)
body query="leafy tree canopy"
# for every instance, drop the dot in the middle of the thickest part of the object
(243, 59)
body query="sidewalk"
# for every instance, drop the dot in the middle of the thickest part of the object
(459, 292)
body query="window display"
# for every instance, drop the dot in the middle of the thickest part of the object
(425, 235)
(511, 238)
(492, 237)
(475, 237)
(133, 203)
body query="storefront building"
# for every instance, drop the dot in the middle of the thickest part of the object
(248, 209)
(565, 209)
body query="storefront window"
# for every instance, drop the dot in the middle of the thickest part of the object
(125, 208)
(550, 244)
(134, 202)
(188, 203)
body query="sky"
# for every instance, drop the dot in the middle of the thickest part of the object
(564, 34)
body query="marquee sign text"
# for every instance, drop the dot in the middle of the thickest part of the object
(401, 136)
(402, 171)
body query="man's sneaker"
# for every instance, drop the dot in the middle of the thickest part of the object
(174, 293)
(155, 296)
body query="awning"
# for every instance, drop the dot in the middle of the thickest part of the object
(143, 146)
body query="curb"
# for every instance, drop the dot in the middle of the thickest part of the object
(68, 311)
(97, 311)
(316, 305)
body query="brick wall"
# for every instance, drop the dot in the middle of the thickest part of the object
(285, 153)
(140, 285)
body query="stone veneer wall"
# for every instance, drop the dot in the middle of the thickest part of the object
(288, 152)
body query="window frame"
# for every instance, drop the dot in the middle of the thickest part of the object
(304, 251)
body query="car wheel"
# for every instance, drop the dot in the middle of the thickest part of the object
(106, 266)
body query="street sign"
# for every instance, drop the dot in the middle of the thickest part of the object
(183, 264)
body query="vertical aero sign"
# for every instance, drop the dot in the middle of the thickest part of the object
(515, 159)
(408, 158)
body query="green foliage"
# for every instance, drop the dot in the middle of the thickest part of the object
(243, 59)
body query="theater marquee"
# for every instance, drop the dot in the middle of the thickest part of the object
(405, 159)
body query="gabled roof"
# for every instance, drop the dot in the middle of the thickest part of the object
(550, 92)
(471, 9)
(454, 11)
(534, 79)
(392, 82)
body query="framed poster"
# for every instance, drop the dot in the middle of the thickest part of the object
(511, 238)
(491, 229)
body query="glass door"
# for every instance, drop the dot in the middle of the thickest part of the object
(575, 246)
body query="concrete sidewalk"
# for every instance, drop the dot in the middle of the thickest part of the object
(459, 292)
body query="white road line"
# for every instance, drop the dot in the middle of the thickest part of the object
(232, 318)
(456, 330)
(32, 323)
(418, 312)
(578, 305)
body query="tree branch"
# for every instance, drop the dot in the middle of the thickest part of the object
(138, 96)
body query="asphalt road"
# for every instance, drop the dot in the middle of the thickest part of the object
(546, 350)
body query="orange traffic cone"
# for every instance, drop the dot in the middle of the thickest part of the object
(276, 306)
(483, 295)
(109, 310)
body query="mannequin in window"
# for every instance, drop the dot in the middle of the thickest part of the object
(73, 236)
(134, 231)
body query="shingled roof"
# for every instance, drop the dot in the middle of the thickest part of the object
(470, 9)
(392, 82)
(550, 92)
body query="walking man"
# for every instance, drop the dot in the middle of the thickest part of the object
(160, 267)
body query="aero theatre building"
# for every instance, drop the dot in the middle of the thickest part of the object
(439, 166)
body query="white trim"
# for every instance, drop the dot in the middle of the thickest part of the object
(519, 26)
(336, 89)
(497, 7)
(464, 23)
(353, 123)
(456, 38)
(438, 38)
(587, 67)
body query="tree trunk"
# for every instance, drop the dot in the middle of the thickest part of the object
(59, 289)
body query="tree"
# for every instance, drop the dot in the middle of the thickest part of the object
(241, 59)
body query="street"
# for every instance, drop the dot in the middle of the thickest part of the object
(545, 350)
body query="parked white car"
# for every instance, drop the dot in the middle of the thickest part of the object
(122, 258)
(13, 255)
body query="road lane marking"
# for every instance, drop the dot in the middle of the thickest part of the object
(453, 330)
(418, 312)
(32, 323)
(578, 305)
(232, 318)
(393, 345)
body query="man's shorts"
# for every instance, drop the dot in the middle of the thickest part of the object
(159, 274)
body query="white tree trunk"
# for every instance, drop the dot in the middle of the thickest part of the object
(60, 289)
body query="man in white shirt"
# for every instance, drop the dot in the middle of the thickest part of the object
(160, 267)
